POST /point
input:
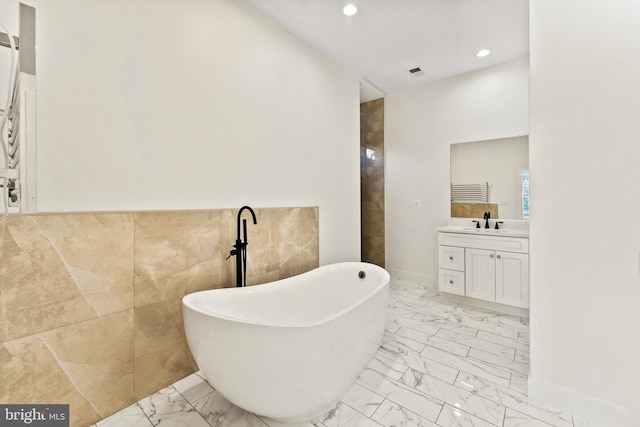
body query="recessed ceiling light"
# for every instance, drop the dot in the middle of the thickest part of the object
(483, 52)
(350, 9)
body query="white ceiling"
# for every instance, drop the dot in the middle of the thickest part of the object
(387, 38)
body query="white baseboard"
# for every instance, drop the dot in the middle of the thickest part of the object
(414, 277)
(597, 412)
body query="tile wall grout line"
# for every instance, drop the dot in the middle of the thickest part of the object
(64, 369)
(66, 266)
(189, 403)
(133, 306)
(143, 413)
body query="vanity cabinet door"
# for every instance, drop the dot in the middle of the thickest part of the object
(480, 274)
(512, 279)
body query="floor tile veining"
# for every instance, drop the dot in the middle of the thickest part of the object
(440, 364)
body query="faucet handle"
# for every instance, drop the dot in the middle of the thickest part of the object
(498, 222)
(477, 223)
(233, 252)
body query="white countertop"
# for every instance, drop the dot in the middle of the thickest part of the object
(503, 232)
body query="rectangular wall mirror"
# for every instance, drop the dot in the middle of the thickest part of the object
(490, 175)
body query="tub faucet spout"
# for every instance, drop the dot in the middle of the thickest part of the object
(240, 248)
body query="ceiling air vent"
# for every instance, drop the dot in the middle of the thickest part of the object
(415, 70)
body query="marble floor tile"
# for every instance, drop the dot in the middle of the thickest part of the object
(218, 411)
(131, 416)
(480, 344)
(424, 324)
(455, 326)
(471, 403)
(472, 366)
(167, 408)
(463, 319)
(519, 383)
(412, 399)
(392, 414)
(402, 342)
(387, 366)
(507, 342)
(512, 399)
(409, 298)
(400, 311)
(488, 316)
(398, 293)
(577, 422)
(410, 286)
(428, 309)
(273, 423)
(522, 357)
(454, 417)
(193, 388)
(415, 361)
(362, 399)
(434, 341)
(345, 416)
(516, 419)
(523, 336)
(392, 327)
(427, 295)
(440, 309)
(440, 364)
(499, 361)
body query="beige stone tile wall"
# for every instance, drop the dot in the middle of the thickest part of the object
(90, 304)
(474, 210)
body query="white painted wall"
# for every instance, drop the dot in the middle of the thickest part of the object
(420, 125)
(193, 104)
(585, 235)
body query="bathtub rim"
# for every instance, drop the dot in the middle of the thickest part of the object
(189, 300)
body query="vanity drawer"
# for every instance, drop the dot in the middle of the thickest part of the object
(451, 257)
(451, 281)
(493, 242)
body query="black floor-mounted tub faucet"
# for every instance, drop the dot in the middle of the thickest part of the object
(240, 249)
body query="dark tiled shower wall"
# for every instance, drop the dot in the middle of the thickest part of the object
(372, 181)
(90, 303)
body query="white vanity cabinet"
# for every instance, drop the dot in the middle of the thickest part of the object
(490, 267)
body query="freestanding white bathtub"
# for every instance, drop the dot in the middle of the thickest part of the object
(290, 349)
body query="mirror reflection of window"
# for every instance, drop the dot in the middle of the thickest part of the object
(523, 178)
